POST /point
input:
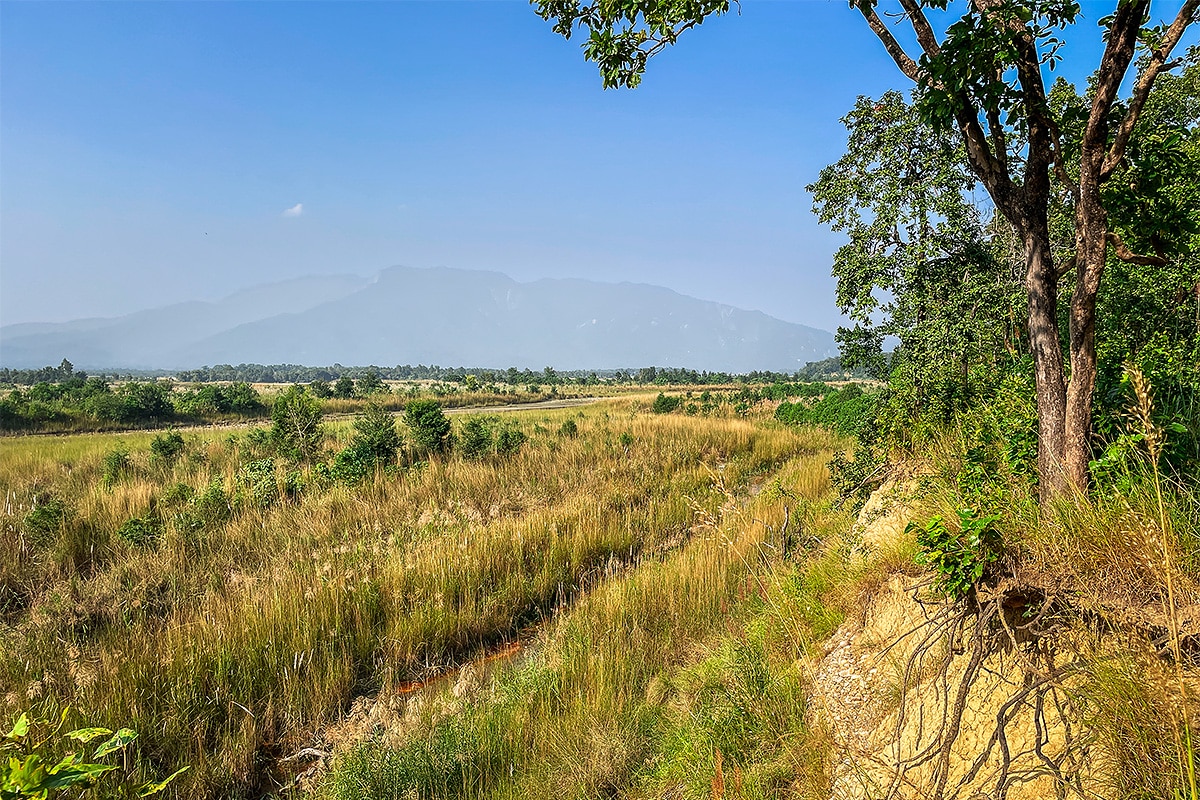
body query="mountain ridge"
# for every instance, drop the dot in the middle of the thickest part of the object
(431, 315)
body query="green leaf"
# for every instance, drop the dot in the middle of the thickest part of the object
(73, 775)
(86, 735)
(20, 728)
(154, 787)
(119, 740)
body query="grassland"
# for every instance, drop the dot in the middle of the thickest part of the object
(633, 604)
(231, 617)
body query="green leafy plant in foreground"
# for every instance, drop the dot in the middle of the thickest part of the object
(958, 558)
(27, 770)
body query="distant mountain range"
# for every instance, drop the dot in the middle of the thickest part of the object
(449, 317)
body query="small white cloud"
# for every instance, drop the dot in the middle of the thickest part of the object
(294, 211)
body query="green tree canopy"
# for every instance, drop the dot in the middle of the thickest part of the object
(918, 268)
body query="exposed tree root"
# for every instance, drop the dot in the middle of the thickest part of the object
(1028, 628)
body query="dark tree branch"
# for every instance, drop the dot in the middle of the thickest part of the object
(921, 26)
(1145, 81)
(903, 60)
(1125, 254)
(1067, 267)
(999, 138)
(1118, 53)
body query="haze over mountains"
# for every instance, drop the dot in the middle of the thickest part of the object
(442, 316)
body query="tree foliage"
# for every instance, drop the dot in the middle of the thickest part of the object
(376, 438)
(296, 430)
(918, 268)
(429, 426)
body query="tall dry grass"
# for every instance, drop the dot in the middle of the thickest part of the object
(235, 635)
(681, 678)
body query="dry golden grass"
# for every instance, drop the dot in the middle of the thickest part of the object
(228, 642)
(676, 677)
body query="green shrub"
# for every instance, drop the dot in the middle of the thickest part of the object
(849, 411)
(855, 478)
(241, 398)
(568, 429)
(375, 436)
(958, 559)
(166, 448)
(508, 439)
(350, 466)
(475, 437)
(257, 479)
(37, 761)
(210, 508)
(179, 494)
(665, 404)
(114, 466)
(296, 430)
(429, 425)
(370, 384)
(141, 531)
(46, 519)
(481, 436)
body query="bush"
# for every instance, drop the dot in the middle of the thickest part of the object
(429, 425)
(46, 519)
(145, 402)
(257, 478)
(296, 430)
(141, 531)
(508, 439)
(241, 398)
(481, 436)
(568, 429)
(166, 448)
(664, 404)
(350, 466)
(179, 494)
(960, 559)
(210, 508)
(855, 478)
(475, 437)
(375, 436)
(33, 763)
(370, 384)
(114, 466)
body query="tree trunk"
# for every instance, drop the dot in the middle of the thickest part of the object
(1041, 282)
(1091, 245)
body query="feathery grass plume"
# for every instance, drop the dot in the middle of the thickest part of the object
(1142, 413)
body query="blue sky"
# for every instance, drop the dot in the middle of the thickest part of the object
(157, 152)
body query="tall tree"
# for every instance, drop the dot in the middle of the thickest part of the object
(985, 77)
(918, 267)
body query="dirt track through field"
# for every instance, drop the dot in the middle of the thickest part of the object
(566, 402)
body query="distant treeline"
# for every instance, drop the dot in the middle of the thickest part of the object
(829, 369)
(93, 402)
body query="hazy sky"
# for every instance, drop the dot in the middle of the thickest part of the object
(157, 152)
